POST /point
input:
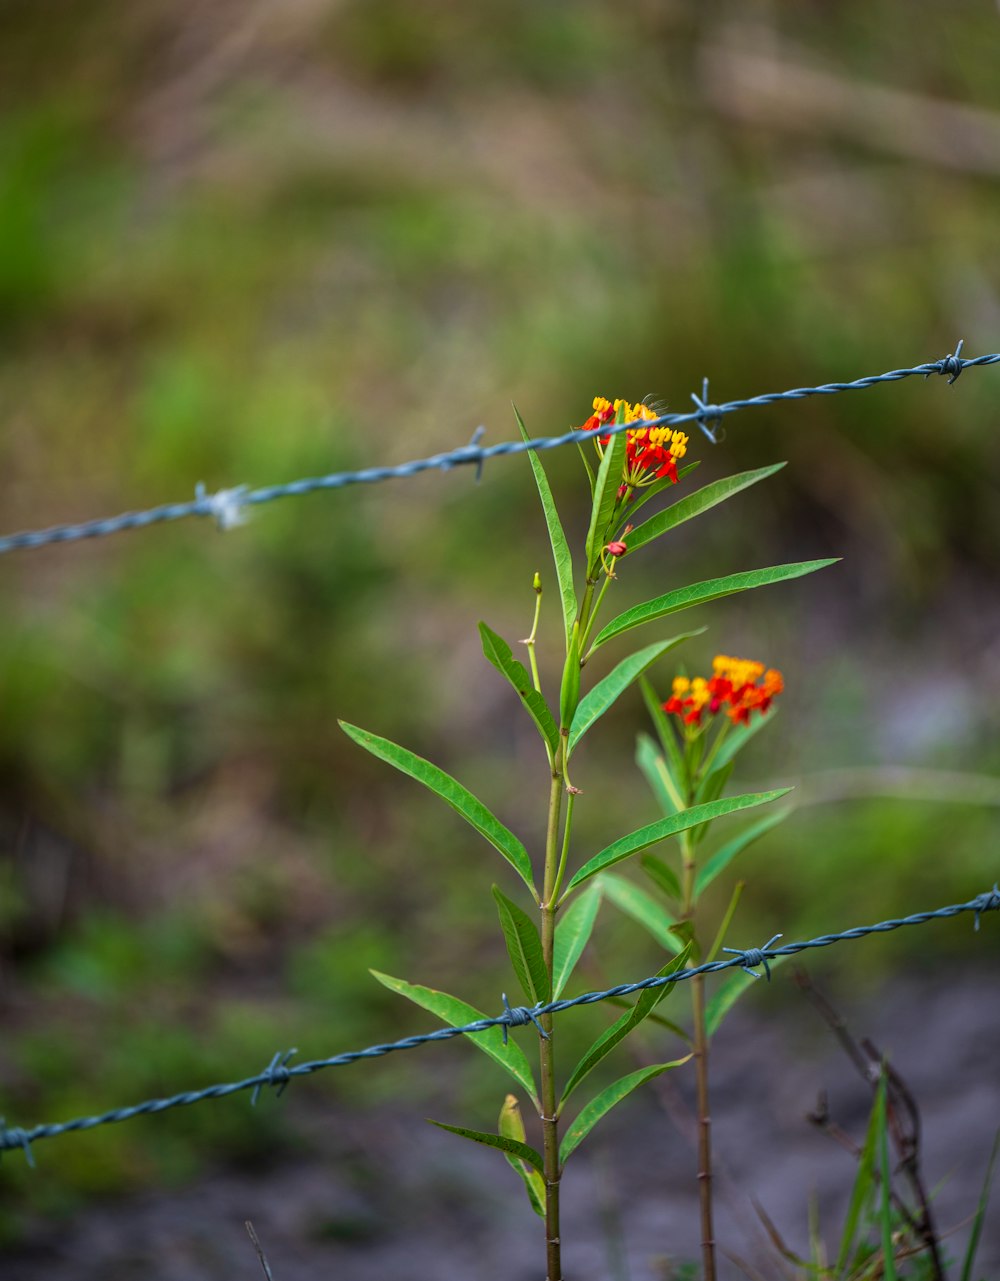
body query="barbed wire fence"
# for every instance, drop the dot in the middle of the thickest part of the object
(228, 507)
(278, 1073)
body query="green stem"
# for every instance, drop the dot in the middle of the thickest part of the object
(701, 1069)
(593, 618)
(583, 617)
(530, 640)
(571, 797)
(548, 1115)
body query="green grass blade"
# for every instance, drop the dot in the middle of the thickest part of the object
(694, 504)
(649, 998)
(643, 908)
(499, 653)
(452, 793)
(557, 537)
(573, 929)
(521, 1151)
(889, 1272)
(524, 948)
(700, 593)
(450, 1010)
(861, 1193)
(977, 1223)
(721, 859)
(608, 690)
(640, 840)
(600, 1106)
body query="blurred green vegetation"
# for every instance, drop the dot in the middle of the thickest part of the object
(244, 246)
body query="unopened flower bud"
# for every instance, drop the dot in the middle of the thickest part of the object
(617, 549)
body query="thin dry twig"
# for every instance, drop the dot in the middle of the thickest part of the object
(260, 1250)
(902, 1115)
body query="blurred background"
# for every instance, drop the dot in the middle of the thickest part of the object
(247, 242)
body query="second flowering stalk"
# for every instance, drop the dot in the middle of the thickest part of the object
(635, 463)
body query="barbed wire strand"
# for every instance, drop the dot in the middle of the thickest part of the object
(279, 1072)
(227, 507)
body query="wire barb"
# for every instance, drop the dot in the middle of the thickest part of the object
(951, 365)
(276, 1074)
(752, 957)
(225, 505)
(709, 414)
(477, 436)
(518, 1016)
(15, 1137)
(988, 901)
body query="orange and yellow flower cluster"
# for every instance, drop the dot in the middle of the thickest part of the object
(737, 685)
(651, 452)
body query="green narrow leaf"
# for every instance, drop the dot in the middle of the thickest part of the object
(456, 1013)
(668, 740)
(656, 774)
(662, 875)
(573, 929)
(727, 994)
(710, 789)
(727, 919)
(969, 1261)
(713, 785)
(740, 735)
(721, 859)
(637, 841)
(452, 793)
(587, 466)
(569, 691)
(524, 948)
(648, 1000)
(694, 504)
(606, 486)
(511, 1126)
(864, 1182)
(534, 1184)
(643, 908)
(523, 1151)
(557, 538)
(607, 1099)
(607, 691)
(700, 593)
(641, 497)
(501, 656)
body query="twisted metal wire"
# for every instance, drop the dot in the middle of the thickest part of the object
(278, 1073)
(228, 507)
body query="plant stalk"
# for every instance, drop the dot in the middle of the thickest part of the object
(548, 1115)
(701, 1074)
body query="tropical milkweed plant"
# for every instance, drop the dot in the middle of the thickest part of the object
(547, 925)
